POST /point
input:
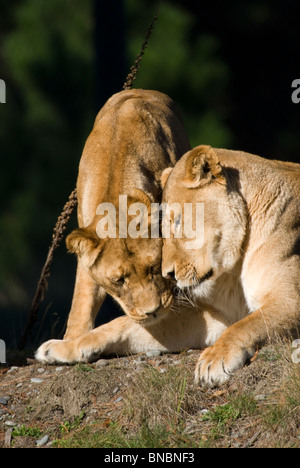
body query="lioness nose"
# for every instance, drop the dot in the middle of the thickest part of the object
(169, 273)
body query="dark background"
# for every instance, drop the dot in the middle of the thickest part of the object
(228, 65)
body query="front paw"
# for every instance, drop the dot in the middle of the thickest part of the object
(218, 362)
(55, 351)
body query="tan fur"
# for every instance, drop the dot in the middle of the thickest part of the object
(242, 285)
(136, 135)
(248, 268)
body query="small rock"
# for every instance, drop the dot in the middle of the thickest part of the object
(7, 439)
(139, 363)
(36, 380)
(12, 369)
(19, 385)
(101, 363)
(59, 369)
(3, 401)
(153, 353)
(41, 370)
(118, 399)
(115, 390)
(42, 441)
(10, 423)
(260, 397)
(204, 411)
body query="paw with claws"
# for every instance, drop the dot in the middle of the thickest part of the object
(218, 362)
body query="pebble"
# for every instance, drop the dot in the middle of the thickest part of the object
(10, 423)
(101, 363)
(59, 369)
(36, 380)
(7, 439)
(42, 441)
(153, 353)
(12, 369)
(41, 370)
(260, 397)
(139, 363)
(3, 401)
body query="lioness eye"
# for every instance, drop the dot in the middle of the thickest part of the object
(153, 270)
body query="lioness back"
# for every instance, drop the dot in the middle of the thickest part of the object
(136, 135)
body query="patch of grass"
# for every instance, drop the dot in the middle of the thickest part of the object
(286, 405)
(68, 426)
(25, 431)
(117, 436)
(162, 408)
(153, 415)
(84, 368)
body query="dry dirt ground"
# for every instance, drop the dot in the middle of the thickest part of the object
(150, 401)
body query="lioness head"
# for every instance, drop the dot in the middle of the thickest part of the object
(207, 220)
(128, 268)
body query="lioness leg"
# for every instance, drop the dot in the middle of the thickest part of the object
(121, 336)
(87, 299)
(176, 331)
(241, 340)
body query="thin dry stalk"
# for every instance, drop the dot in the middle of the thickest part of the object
(42, 285)
(135, 67)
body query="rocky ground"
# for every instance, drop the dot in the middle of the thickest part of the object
(150, 400)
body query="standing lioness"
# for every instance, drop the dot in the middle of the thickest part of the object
(246, 266)
(136, 135)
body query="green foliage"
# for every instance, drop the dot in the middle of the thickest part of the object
(47, 54)
(188, 69)
(68, 426)
(24, 431)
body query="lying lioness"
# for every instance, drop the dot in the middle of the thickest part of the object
(244, 268)
(136, 135)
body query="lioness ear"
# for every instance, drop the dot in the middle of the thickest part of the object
(202, 166)
(165, 176)
(137, 195)
(84, 242)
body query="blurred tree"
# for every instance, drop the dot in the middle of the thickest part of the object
(47, 56)
(258, 40)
